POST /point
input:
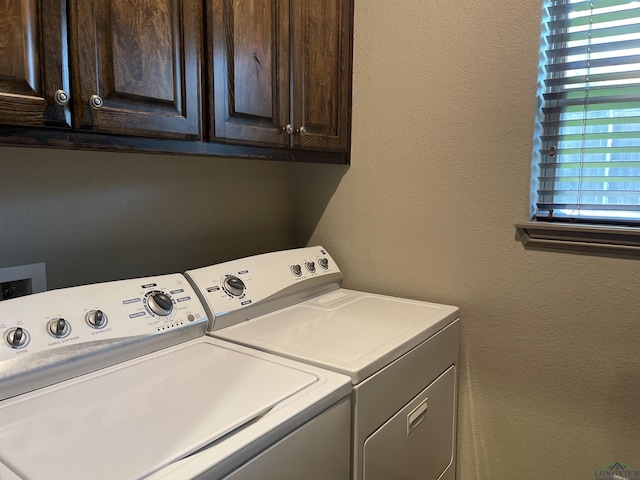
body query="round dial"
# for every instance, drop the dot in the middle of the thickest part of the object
(311, 266)
(324, 263)
(17, 337)
(96, 319)
(59, 327)
(233, 286)
(160, 303)
(296, 270)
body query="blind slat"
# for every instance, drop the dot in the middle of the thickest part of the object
(558, 40)
(604, 79)
(594, 49)
(590, 138)
(587, 206)
(594, 21)
(556, 8)
(595, 121)
(557, 104)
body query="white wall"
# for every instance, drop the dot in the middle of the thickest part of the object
(96, 216)
(443, 111)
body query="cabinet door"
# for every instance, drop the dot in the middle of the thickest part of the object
(138, 67)
(321, 39)
(249, 70)
(33, 62)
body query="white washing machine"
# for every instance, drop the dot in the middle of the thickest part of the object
(400, 354)
(118, 381)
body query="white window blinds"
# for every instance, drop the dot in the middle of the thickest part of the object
(588, 163)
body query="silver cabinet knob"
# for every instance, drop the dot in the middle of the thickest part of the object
(302, 130)
(289, 129)
(61, 97)
(95, 101)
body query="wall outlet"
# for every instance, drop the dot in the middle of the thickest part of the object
(22, 280)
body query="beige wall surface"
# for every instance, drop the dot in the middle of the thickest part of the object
(443, 111)
(443, 115)
(96, 216)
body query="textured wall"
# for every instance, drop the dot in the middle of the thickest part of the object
(443, 111)
(94, 216)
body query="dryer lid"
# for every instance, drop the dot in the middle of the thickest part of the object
(349, 332)
(132, 419)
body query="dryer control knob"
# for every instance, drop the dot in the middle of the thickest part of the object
(233, 286)
(17, 337)
(324, 263)
(160, 303)
(311, 266)
(59, 327)
(96, 319)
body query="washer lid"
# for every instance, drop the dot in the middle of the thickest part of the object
(132, 419)
(349, 332)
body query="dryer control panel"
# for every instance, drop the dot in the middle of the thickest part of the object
(241, 289)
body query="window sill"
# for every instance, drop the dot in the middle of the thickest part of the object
(580, 237)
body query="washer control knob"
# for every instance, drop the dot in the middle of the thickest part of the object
(96, 319)
(160, 303)
(59, 327)
(311, 266)
(296, 270)
(324, 263)
(233, 286)
(17, 337)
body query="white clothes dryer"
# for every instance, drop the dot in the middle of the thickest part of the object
(118, 381)
(400, 354)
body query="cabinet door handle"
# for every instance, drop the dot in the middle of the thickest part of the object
(95, 101)
(302, 130)
(61, 97)
(288, 129)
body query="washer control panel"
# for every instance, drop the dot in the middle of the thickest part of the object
(106, 311)
(242, 284)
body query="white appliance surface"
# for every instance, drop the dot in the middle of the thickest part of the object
(291, 303)
(350, 332)
(142, 415)
(60, 334)
(406, 443)
(118, 381)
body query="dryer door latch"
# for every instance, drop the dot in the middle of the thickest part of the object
(416, 416)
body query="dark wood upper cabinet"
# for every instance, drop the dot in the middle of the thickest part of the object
(321, 46)
(33, 63)
(271, 79)
(279, 72)
(138, 67)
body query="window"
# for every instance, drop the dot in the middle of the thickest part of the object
(587, 159)
(586, 165)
